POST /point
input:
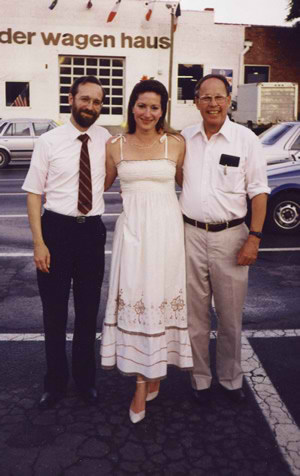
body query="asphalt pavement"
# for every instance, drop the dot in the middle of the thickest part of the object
(177, 437)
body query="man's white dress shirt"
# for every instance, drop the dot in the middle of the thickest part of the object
(54, 168)
(214, 193)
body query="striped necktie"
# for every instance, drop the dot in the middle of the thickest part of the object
(85, 198)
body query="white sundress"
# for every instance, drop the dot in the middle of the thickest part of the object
(145, 325)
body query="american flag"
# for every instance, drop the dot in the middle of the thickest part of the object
(22, 100)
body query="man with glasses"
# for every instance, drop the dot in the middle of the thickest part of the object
(68, 166)
(224, 163)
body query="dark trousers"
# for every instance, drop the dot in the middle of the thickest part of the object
(77, 256)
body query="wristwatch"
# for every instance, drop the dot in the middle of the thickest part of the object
(258, 234)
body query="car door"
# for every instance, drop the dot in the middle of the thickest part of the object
(18, 138)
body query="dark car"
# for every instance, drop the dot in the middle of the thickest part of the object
(18, 136)
(283, 213)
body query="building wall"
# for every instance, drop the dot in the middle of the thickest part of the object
(277, 47)
(25, 56)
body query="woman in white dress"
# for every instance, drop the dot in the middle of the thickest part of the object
(145, 326)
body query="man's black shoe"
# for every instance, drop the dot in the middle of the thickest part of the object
(49, 400)
(203, 397)
(236, 396)
(89, 395)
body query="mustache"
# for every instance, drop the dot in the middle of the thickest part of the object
(88, 113)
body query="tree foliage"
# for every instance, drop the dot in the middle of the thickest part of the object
(294, 10)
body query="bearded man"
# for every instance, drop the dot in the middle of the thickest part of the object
(68, 167)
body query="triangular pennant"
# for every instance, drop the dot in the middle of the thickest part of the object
(113, 12)
(150, 4)
(177, 14)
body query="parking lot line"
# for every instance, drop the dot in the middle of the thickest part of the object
(24, 254)
(12, 180)
(11, 194)
(30, 253)
(280, 249)
(26, 216)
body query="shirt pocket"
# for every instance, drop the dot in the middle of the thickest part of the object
(230, 179)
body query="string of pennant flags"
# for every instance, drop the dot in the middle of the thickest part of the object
(150, 7)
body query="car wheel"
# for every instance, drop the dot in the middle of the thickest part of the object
(4, 159)
(284, 213)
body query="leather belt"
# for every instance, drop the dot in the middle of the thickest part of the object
(67, 218)
(213, 226)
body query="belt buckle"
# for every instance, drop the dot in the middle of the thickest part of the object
(206, 226)
(80, 219)
(227, 224)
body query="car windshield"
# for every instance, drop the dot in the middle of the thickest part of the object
(272, 135)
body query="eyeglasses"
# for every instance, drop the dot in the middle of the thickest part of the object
(88, 100)
(208, 99)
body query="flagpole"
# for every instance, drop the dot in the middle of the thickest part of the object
(171, 62)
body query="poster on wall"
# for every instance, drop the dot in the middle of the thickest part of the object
(225, 72)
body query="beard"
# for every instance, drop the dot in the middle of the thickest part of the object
(84, 121)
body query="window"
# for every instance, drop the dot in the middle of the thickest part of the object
(110, 71)
(271, 136)
(188, 75)
(296, 144)
(17, 94)
(256, 74)
(18, 129)
(41, 127)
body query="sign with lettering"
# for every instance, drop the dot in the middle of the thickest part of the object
(82, 41)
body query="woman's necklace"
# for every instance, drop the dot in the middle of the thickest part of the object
(144, 146)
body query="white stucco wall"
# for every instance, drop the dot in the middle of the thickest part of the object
(198, 40)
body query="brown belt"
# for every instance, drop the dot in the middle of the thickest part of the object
(213, 226)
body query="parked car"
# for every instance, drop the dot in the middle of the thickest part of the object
(283, 214)
(18, 136)
(280, 141)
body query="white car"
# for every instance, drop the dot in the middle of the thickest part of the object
(281, 142)
(18, 136)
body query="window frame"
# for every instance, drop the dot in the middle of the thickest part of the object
(20, 95)
(268, 67)
(115, 73)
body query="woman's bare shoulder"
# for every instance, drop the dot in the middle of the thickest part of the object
(175, 137)
(114, 140)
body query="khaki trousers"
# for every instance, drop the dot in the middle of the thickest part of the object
(211, 260)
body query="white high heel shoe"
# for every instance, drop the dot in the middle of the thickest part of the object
(152, 395)
(137, 417)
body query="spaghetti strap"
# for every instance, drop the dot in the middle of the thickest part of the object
(121, 138)
(164, 139)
